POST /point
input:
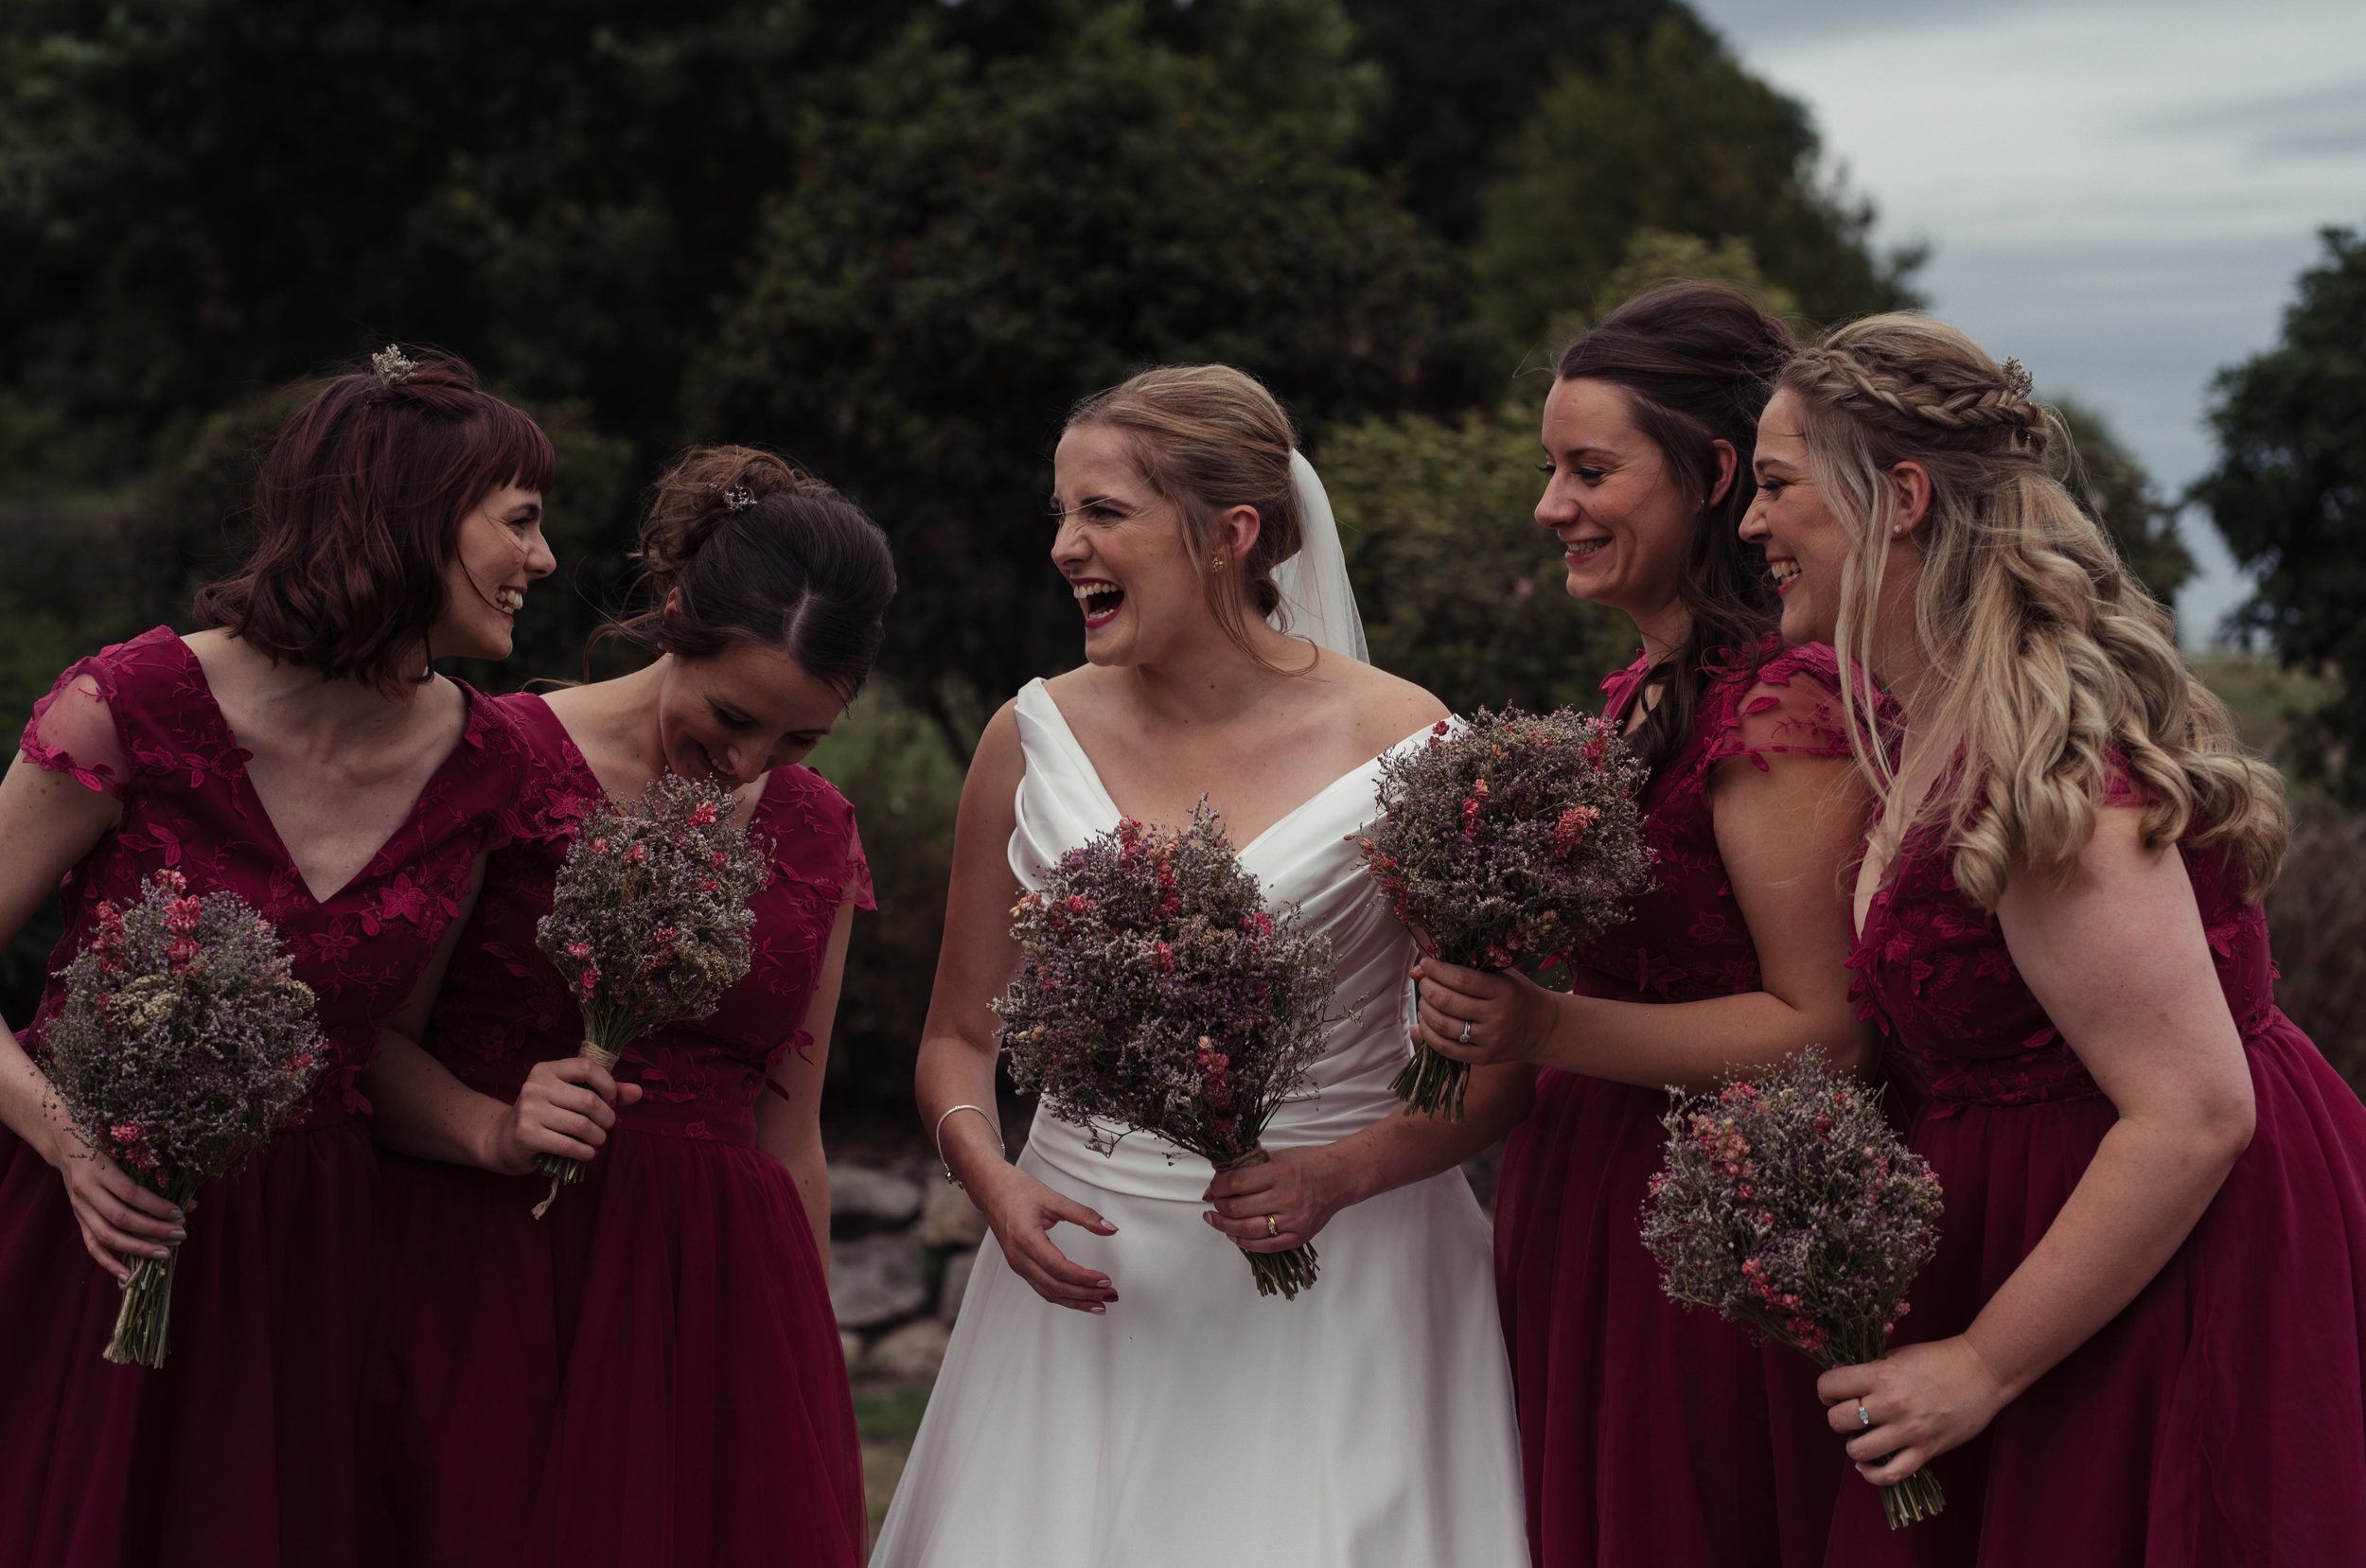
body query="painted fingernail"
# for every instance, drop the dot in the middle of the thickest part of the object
(179, 1215)
(160, 1252)
(179, 1235)
(1097, 1310)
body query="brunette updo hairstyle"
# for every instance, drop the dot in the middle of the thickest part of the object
(1697, 363)
(1207, 438)
(359, 507)
(758, 550)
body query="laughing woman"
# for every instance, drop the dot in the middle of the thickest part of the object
(1122, 1394)
(304, 756)
(1655, 1433)
(650, 1375)
(2140, 1341)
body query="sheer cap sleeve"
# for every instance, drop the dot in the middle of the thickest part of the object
(1792, 708)
(859, 891)
(74, 728)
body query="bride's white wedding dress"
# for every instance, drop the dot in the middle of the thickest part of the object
(1367, 1424)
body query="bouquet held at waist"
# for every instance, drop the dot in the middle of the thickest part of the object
(1157, 993)
(183, 1041)
(1786, 1202)
(650, 919)
(1505, 841)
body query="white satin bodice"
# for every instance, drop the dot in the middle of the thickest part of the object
(1308, 859)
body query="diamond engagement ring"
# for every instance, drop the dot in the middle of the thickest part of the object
(1466, 1033)
(1273, 1225)
(1865, 1417)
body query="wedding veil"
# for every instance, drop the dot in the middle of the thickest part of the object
(1318, 602)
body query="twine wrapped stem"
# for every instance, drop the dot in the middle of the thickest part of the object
(560, 1169)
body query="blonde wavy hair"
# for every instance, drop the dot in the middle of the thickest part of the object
(2050, 667)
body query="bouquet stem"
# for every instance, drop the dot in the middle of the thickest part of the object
(563, 1171)
(1433, 1084)
(1917, 1497)
(1282, 1274)
(144, 1321)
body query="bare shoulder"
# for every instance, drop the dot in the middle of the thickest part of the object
(1382, 708)
(999, 761)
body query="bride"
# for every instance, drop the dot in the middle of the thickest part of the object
(1117, 1393)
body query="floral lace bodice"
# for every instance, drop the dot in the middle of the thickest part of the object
(1685, 940)
(503, 1008)
(138, 721)
(1962, 1027)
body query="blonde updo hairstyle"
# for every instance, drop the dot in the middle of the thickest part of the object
(752, 549)
(2049, 666)
(1207, 438)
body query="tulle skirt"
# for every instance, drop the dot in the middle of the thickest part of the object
(649, 1376)
(2220, 1418)
(239, 1452)
(1649, 1433)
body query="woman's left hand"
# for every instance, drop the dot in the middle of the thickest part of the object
(1919, 1401)
(1480, 1016)
(1282, 1203)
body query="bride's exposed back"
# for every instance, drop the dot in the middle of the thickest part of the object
(1117, 1392)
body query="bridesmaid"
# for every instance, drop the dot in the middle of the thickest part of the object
(2140, 1341)
(650, 1374)
(1652, 1433)
(303, 754)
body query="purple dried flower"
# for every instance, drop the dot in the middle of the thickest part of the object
(1786, 1202)
(1506, 842)
(656, 930)
(183, 1040)
(1157, 994)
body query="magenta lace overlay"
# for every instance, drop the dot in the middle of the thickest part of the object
(503, 1008)
(1685, 940)
(1933, 972)
(138, 722)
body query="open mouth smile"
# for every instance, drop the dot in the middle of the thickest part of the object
(1099, 599)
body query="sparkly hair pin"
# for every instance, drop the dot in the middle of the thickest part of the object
(393, 365)
(2016, 379)
(737, 500)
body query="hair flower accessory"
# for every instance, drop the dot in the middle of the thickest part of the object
(2016, 379)
(393, 365)
(737, 499)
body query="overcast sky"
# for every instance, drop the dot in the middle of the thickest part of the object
(2120, 192)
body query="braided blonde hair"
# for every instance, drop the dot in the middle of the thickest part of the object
(2050, 667)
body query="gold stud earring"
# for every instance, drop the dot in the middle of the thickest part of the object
(1216, 561)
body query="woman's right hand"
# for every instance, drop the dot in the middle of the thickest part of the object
(119, 1218)
(1021, 1212)
(565, 1108)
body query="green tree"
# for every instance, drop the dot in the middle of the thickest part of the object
(1463, 74)
(1671, 134)
(978, 243)
(1459, 588)
(209, 197)
(2116, 491)
(2288, 494)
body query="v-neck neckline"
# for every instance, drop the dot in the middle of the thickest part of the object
(1076, 746)
(241, 756)
(757, 807)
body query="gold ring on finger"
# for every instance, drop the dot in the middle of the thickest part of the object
(1273, 1225)
(1865, 1417)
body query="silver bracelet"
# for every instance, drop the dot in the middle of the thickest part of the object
(937, 1136)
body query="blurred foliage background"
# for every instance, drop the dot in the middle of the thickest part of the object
(898, 240)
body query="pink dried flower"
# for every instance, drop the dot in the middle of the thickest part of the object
(1516, 835)
(170, 1051)
(1786, 1202)
(1157, 994)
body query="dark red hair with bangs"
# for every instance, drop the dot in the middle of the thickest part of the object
(359, 507)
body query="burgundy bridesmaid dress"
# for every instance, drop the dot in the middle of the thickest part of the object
(650, 1374)
(2220, 1418)
(240, 1448)
(1651, 1433)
